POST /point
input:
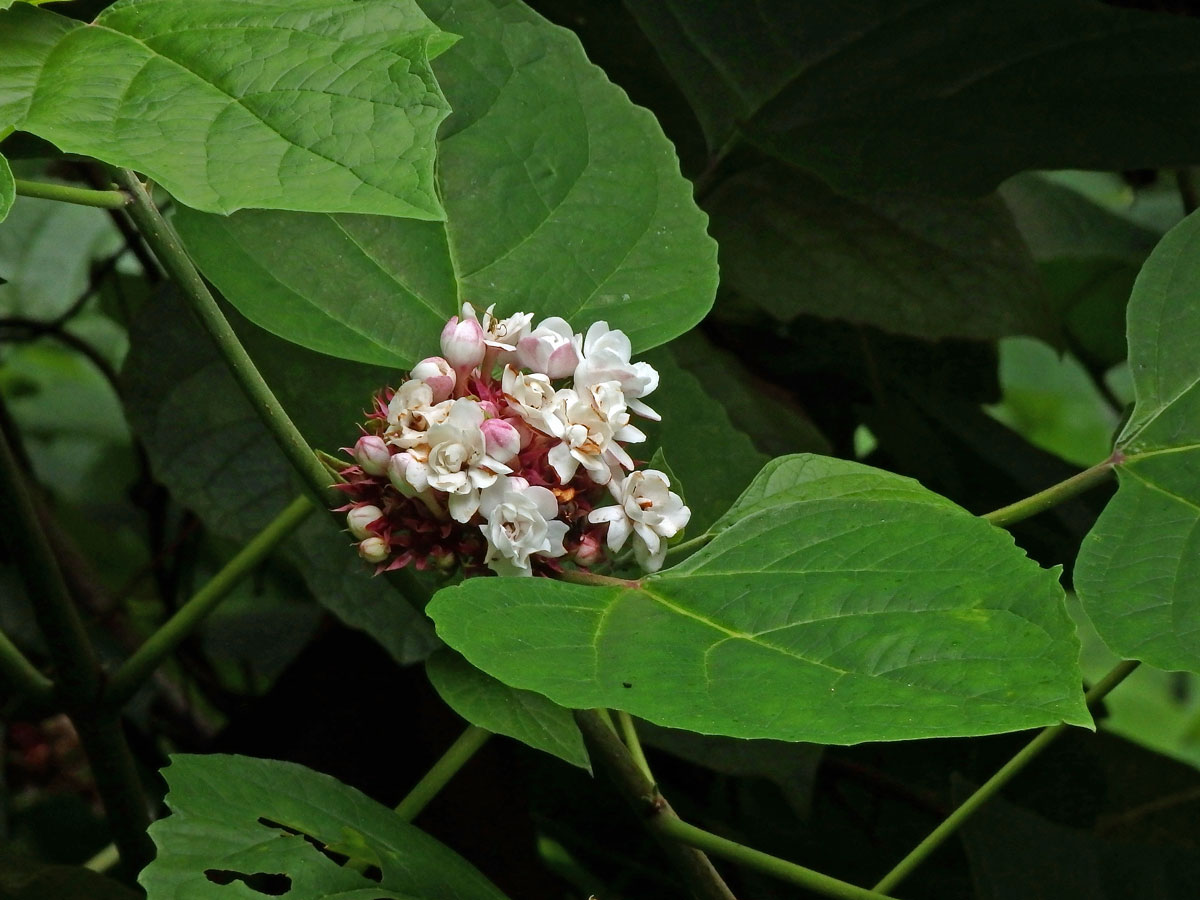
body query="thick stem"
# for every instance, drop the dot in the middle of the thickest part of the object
(165, 244)
(76, 668)
(704, 882)
(443, 770)
(151, 654)
(1055, 494)
(67, 194)
(992, 786)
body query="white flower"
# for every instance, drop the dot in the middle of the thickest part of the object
(520, 522)
(502, 334)
(551, 349)
(533, 398)
(606, 358)
(647, 508)
(457, 460)
(590, 423)
(411, 412)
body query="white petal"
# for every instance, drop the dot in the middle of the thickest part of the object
(618, 533)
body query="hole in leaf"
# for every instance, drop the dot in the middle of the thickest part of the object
(370, 872)
(261, 882)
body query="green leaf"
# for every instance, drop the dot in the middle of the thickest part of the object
(281, 826)
(8, 188)
(562, 198)
(224, 465)
(903, 262)
(325, 105)
(929, 95)
(523, 715)
(1138, 573)
(837, 604)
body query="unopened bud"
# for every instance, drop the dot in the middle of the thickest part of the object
(397, 473)
(374, 549)
(462, 343)
(360, 517)
(590, 551)
(501, 439)
(438, 374)
(372, 454)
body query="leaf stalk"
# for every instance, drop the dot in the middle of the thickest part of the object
(1055, 494)
(460, 752)
(67, 194)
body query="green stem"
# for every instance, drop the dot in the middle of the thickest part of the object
(151, 654)
(1055, 494)
(702, 879)
(66, 194)
(594, 578)
(993, 785)
(20, 677)
(165, 243)
(634, 743)
(443, 770)
(76, 668)
(810, 879)
(691, 543)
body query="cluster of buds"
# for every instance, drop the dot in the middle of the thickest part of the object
(507, 452)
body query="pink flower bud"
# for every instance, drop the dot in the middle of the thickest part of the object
(372, 454)
(438, 374)
(462, 343)
(501, 439)
(374, 549)
(398, 474)
(590, 550)
(360, 517)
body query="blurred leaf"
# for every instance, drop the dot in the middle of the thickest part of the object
(1053, 402)
(1016, 855)
(209, 447)
(932, 96)
(26, 879)
(523, 715)
(905, 263)
(762, 409)
(277, 827)
(233, 105)
(1138, 573)
(562, 198)
(839, 604)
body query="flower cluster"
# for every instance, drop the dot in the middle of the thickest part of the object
(507, 453)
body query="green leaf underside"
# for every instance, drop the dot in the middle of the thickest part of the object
(8, 188)
(905, 263)
(523, 715)
(562, 198)
(218, 804)
(933, 95)
(325, 105)
(837, 604)
(1138, 573)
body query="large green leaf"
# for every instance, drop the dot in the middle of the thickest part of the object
(837, 604)
(279, 828)
(562, 198)
(326, 105)
(528, 717)
(929, 94)
(206, 443)
(1138, 573)
(903, 262)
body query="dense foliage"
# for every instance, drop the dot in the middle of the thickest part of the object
(714, 403)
